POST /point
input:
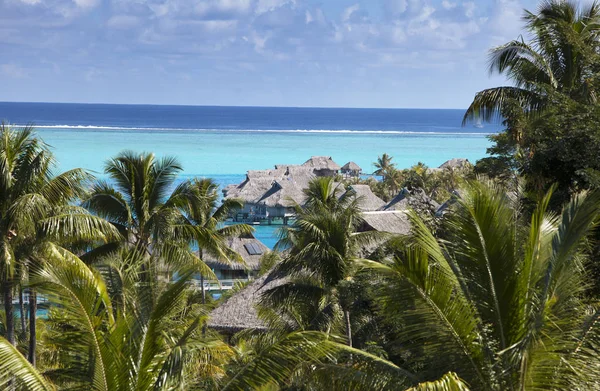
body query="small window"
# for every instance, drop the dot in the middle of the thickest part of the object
(253, 249)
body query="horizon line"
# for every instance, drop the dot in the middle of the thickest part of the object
(247, 106)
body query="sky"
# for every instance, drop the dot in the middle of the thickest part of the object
(326, 53)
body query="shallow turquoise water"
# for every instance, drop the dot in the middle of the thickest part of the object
(226, 156)
(223, 153)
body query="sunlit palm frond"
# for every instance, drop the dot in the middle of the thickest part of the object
(15, 368)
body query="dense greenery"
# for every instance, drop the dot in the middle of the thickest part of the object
(499, 292)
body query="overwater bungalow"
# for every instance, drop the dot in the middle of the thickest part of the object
(322, 165)
(250, 249)
(351, 169)
(272, 194)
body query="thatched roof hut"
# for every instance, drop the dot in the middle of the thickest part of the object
(368, 200)
(399, 202)
(351, 166)
(322, 165)
(239, 311)
(249, 248)
(395, 222)
(351, 169)
(272, 187)
(456, 163)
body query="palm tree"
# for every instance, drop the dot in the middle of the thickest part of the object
(143, 202)
(499, 302)
(384, 165)
(139, 343)
(34, 209)
(202, 223)
(322, 243)
(559, 58)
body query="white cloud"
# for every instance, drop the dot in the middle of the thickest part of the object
(448, 5)
(308, 17)
(13, 71)
(395, 7)
(223, 8)
(263, 6)
(505, 22)
(347, 13)
(30, 2)
(86, 3)
(123, 21)
(469, 7)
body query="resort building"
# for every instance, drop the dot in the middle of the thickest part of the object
(272, 194)
(322, 166)
(394, 222)
(250, 249)
(240, 312)
(368, 201)
(351, 169)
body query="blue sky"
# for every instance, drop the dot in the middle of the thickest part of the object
(361, 53)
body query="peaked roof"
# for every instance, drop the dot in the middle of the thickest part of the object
(395, 222)
(321, 163)
(368, 200)
(399, 202)
(351, 166)
(282, 186)
(239, 311)
(242, 246)
(456, 163)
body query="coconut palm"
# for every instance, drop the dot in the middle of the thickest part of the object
(202, 223)
(140, 343)
(143, 201)
(384, 165)
(111, 335)
(318, 268)
(559, 58)
(35, 209)
(500, 302)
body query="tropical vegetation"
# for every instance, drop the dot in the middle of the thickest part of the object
(498, 291)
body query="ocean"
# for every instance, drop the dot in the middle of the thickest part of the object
(224, 142)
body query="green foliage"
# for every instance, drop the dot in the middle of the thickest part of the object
(561, 57)
(500, 301)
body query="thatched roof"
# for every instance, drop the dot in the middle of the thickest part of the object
(455, 196)
(244, 247)
(351, 166)
(395, 222)
(456, 163)
(281, 187)
(399, 202)
(322, 163)
(239, 311)
(368, 200)
(283, 193)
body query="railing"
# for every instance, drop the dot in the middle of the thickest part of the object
(217, 285)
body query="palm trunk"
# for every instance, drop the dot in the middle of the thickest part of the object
(348, 328)
(203, 291)
(22, 311)
(32, 326)
(8, 310)
(202, 280)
